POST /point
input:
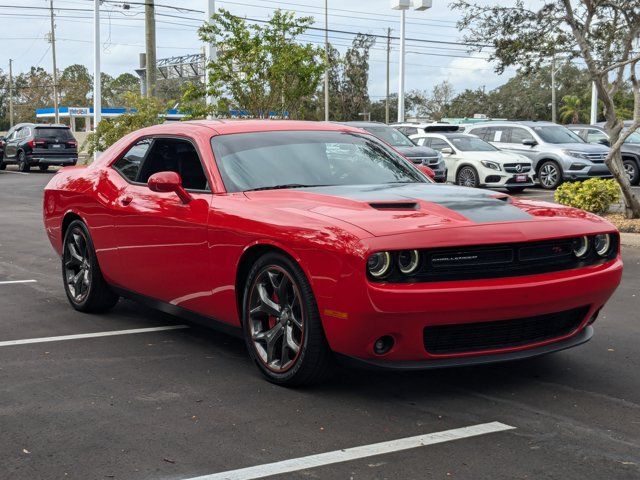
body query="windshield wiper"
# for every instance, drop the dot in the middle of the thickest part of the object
(287, 185)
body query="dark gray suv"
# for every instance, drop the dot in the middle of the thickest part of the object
(398, 140)
(556, 152)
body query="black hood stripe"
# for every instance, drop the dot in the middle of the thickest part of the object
(476, 205)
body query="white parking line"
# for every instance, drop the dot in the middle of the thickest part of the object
(89, 335)
(355, 453)
(12, 282)
(15, 173)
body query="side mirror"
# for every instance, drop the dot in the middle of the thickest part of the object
(166, 182)
(604, 141)
(427, 171)
(447, 151)
(529, 142)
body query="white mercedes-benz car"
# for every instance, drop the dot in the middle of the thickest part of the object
(472, 162)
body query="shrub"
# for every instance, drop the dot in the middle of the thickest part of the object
(594, 195)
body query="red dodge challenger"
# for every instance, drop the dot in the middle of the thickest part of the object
(319, 242)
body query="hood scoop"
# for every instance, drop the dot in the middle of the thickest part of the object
(394, 205)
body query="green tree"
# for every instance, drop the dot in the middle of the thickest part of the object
(260, 68)
(601, 33)
(572, 109)
(76, 85)
(120, 89)
(142, 112)
(33, 90)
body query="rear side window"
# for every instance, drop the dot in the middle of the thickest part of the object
(498, 134)
(129, 164)
(438, 144)
(478, 132)
(55, 133)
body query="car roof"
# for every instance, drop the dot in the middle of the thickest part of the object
(447, 135)
(584, 125)
(225, 127)
(364, 124)
(513, 123)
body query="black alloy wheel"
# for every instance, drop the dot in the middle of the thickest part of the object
(23, 166)
(282, 325)
(84, 284)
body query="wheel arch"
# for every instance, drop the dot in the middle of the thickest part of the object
(68, 218)
(249, 256)
(542, 161)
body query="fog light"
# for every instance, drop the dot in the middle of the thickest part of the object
(383, 345)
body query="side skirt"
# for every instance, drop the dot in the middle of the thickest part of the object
(188, 315)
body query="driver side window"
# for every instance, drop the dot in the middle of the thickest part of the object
(175, 155)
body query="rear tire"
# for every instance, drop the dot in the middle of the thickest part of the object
(632, 171)
(84, 284)
(23, 166)
(281, 323)
(3, 166)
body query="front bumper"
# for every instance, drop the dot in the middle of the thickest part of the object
(579, 338)
(588, 171)
(403, 312)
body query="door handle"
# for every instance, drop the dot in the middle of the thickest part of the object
(126, 200)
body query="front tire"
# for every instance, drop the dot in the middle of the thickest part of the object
(549, 175)
(632, 171)
(23, 166)
(84, 284)
(468, 177)
(3, 166)
(281, 323)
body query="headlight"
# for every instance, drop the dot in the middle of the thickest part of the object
(440, 157)
(491, 165)
(575, 154)
(580, 247)
(408, 261)
(602, 244)
(379, 264)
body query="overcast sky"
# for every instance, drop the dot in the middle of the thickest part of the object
(23, 31)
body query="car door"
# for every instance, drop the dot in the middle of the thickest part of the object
(10, 148)
(162, 241)
(451, 160)
(516, 136)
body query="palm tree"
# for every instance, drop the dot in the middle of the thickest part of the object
(572, 109)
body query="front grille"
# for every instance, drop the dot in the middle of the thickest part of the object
(596, 157)
(497, 261)
(424, 160)
(473, 337)
(513, 167)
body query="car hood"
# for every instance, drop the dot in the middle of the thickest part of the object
(409, 208)
(583, 147)
(417, 151)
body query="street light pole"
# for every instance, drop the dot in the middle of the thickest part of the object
(594, 104)
(326, 59)
(211, 55)
(403, 6)
(97, 93)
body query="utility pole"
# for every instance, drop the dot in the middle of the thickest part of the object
(554, 116)
(326, 59)
(150, 43)
(97, 91)
(401, 68)
(386, 105)
(210, 54)
(55, 69)
(10, 93)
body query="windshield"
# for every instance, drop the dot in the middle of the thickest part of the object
(633, 138)
(557, 134)
(471, 144)
(250, 161)
(390, 135)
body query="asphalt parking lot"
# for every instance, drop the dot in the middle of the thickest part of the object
(187, 402)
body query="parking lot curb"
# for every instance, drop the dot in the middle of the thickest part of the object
(630, 239)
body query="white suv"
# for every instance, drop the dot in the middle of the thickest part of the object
(472, 162)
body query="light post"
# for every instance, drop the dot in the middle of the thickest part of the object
(403, 6)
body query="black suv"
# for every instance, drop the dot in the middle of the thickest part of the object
(398, 140)
(630, 148)
(41, 145)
